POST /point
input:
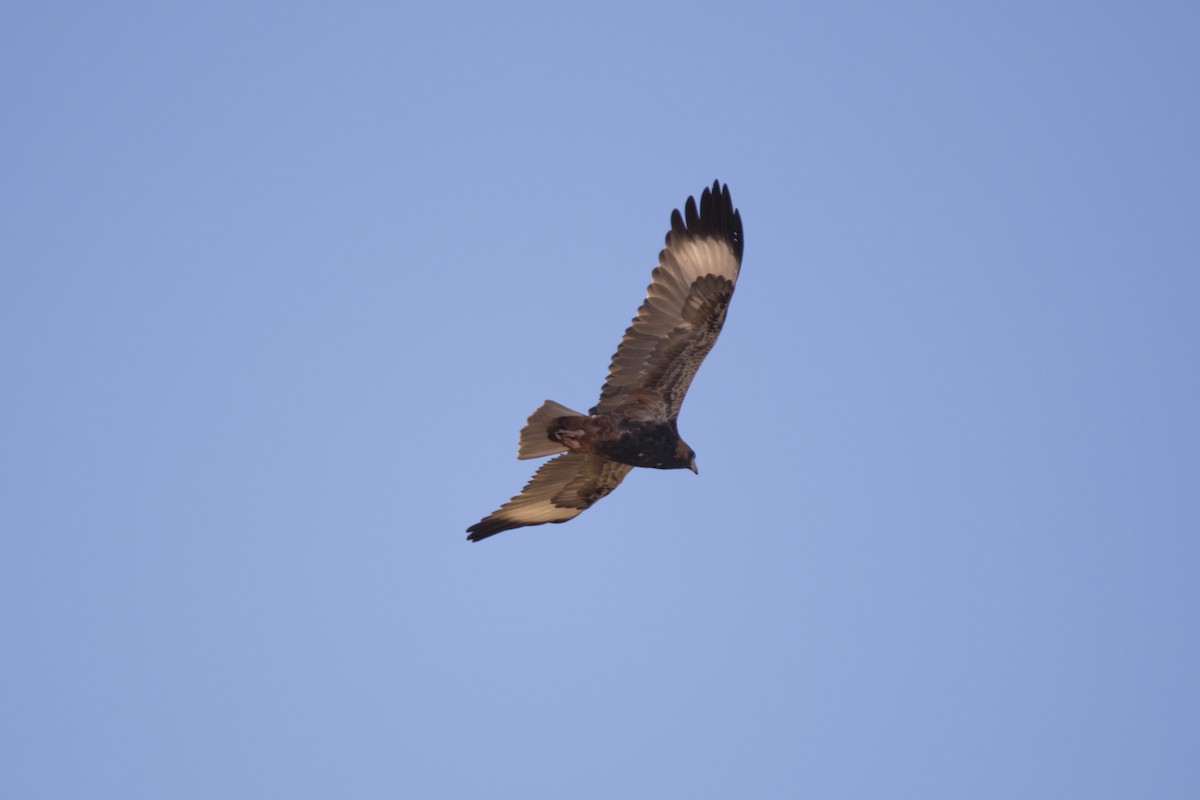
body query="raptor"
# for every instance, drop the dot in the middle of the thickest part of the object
(634, 422)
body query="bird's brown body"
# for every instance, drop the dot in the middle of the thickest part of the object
(638, 443)
(634, 422)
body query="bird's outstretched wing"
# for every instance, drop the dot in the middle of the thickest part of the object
(560, 490)
(683, 312)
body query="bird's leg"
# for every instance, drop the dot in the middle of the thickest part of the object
(571, 437)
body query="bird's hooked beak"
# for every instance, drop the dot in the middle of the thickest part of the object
(692, 467)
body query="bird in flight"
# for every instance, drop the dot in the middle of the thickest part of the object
(633, 424)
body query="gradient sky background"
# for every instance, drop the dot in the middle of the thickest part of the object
(281, 283)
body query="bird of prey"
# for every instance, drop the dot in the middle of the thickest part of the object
(633, 424)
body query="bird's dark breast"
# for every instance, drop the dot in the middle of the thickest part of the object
(645, 444)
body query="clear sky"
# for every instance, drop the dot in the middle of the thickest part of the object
(281, 282)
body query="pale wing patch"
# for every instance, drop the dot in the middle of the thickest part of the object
(697, 257)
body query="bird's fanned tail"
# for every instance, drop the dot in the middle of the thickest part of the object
(533, 441)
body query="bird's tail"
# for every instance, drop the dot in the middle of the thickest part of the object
(535, 441)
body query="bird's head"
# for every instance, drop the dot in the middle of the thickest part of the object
(686, 456)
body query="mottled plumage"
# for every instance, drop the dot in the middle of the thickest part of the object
(634, 423)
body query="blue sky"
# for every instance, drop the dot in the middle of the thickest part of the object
(281, 282)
